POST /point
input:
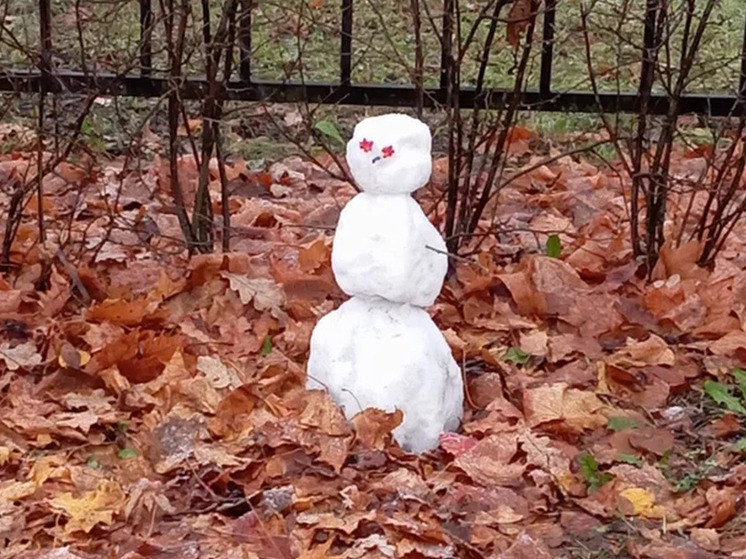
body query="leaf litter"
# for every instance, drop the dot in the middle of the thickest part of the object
(164, 413)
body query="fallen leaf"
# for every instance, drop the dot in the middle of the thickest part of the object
(23, 355)
(119, 311)
(217, 373)
(322, 413)
(643, 502)
(265, 293)
(578, 409)
(92, 508)
(488, 462)
(652, 351)
(373, 427)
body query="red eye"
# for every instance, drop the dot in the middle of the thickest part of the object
(388, 151)
(366, 145)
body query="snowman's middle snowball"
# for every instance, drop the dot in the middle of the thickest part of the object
(385, 246)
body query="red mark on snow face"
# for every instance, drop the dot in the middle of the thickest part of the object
(388, 151)
(366, 145)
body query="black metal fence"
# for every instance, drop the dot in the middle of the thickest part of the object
(245, 88)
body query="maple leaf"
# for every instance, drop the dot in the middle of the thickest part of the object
(220, 375)
(578, 409)
(92, 508)
(23, 355)
(653, 351)
(321, 412)
(489, 461)
(119, 311)
(266, 294)
(643, 502)
(15, 491)
(374, 427)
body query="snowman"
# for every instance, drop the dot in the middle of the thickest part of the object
(381, 349)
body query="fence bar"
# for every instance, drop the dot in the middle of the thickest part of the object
(45, 33)
(383, 95)
(547, 47)
(146, 44)
(742, 82)
(345, 60)
(647, 69)
(446, 59)
(244, 39)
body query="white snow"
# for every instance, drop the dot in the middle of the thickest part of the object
(390, 154)
(374, 353)
(381, 349)
(381, 249)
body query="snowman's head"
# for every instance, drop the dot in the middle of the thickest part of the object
(390, 154)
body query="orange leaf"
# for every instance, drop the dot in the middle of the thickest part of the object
(374, 426)
(312, 257)
(118, 311)
(518, 21)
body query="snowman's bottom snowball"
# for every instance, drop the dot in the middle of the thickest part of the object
(374, 353)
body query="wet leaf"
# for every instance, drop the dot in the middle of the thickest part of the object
(329, 129)
(92, 508)
(516, 355)
(621, 423)
(590, 470)
(721, 395)
(554, 246)
(20, 356)
(265, 293)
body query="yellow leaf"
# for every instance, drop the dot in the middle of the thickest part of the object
(643, 502)
(15, 491)
(92, 508)
(48, 467)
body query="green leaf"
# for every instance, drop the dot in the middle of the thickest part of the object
(93, 463)
(621, 423)
(740, 375)
(122, 426)
(741, 445)
(267, 346)
(720, 394)
(588, 466)
(554, 246)
(127, 453)
(589, 469)
(516, 356)
(329, 129)
(630, 459)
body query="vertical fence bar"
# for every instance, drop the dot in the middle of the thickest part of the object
(648, 50)
(45, 33)
(742, 82)
(146, 44)
(345, 59)
(244, 39)
(547, 47)
(446, 66)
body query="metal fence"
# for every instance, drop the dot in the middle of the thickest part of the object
(245, 88)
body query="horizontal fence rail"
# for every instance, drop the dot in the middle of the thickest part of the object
(246, 88)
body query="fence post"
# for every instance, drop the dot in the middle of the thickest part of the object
(45, 33)
(547, 47)
(244, 39)
(146, 45)
(742, 81)
(345, 59)
(446, 61)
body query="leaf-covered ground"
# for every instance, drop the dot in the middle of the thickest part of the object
(153, 405)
